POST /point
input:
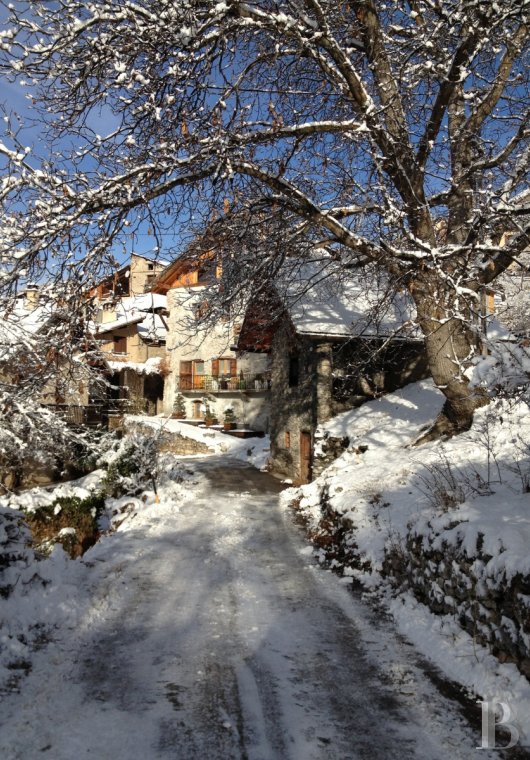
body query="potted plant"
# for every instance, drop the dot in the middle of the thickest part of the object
(209, 416)
(229, 421)
(179, 407)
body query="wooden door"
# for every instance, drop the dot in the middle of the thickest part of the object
(305, 457)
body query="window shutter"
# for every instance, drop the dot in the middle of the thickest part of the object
(185, 368)
(185, 376)
(215, 367)
(233, 367)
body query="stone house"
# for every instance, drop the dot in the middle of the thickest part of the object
(330, 349)
(204, 366)
(130, 325)
(131, 333)
(132, 279)
(29, 355)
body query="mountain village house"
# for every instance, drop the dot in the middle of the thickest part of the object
(205, 367)
(130, 327)
(330, 350)
(33, 321)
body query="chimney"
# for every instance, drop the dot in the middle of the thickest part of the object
(32, 297)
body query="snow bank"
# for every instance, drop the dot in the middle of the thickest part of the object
(462, 504)
(40, 596)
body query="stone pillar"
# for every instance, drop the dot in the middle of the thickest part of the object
(324, 380)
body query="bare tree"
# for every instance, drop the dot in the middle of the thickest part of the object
(390, 133)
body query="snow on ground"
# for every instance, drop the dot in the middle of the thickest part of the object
(199, 544)
(49, 593)
(476, 483)
(254, 451)
(200, 628)
(34, 498)
(46, 594)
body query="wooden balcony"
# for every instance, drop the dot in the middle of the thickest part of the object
(224, 383)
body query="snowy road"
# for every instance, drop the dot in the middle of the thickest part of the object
(212, 636)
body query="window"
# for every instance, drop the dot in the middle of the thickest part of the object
(120, 344)
(224, 372)
(294, 370)
(225, 366)
(150, 267)
(287, 439)
(198, 374)
(191, 375)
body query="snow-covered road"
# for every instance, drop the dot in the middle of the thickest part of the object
(211, 635)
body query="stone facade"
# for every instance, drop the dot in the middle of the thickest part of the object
(295, 402)
(143, 393)
(134, 348)
(134, 279)
(190, 341)
(314, 379)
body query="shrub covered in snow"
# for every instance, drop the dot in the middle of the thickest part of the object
(69, 520)
(132, 464)
(15, 552)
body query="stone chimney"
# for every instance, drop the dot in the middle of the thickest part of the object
(32, 297)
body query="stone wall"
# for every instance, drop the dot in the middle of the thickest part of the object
(179, 444)
(496, 613)
(176, 443)
(449, 578)
(293, 404)
(327, 449)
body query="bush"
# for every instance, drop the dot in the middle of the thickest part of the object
(15, 552)
(48, 523)
(179, 405)
(133, 467)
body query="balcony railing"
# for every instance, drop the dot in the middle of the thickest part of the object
(220, 383)
(91, 416)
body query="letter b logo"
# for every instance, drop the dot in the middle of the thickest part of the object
(491, 710)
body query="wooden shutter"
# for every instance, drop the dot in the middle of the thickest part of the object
(120, 344)
(185, 373)
(233, 367)
(215, 367)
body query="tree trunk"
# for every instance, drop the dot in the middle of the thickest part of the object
(450, 346)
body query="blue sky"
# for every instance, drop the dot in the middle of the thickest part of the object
(15, 102)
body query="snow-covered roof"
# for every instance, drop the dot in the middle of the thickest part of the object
(149, 302)
(130, 318)
(141, 310)
(21, 324)
(323, 304)
(152, 328)
(152, 366)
